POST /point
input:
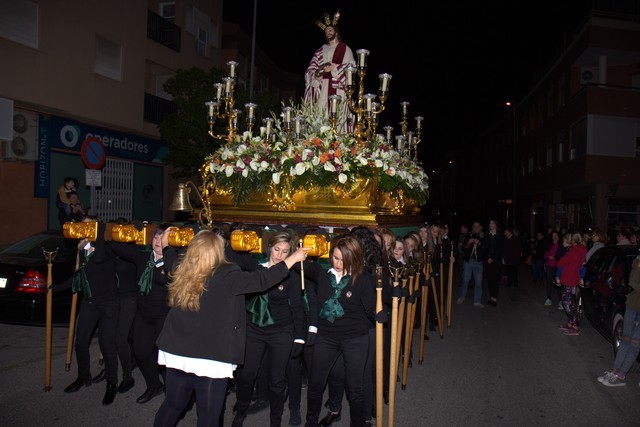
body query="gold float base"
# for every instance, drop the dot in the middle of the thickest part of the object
(225, 214)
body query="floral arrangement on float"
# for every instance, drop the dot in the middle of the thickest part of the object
(310, 155)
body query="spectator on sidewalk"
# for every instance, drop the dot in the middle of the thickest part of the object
(550, 264)
(630, 344)
(571, 264)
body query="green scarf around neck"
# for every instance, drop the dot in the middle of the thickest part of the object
(259, 308)
(146, 280)
(332, 308)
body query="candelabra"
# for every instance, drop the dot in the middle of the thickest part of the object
(222, 107)
(363, 106)
(412, 139)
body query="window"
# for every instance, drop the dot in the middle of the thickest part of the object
(167, 10)
(108, 58)
(160, 92)
(19, 22)
(201, 42)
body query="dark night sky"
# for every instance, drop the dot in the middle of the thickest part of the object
(455, 61)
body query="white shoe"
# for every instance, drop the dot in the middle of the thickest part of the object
(478, 304)
(560, 307)
(547, 303)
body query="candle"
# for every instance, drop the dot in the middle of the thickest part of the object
(268, 122)
(419, 122)
(384, 81)
(297, 120)
(400, 143)
(210, 104)
(232, 68)
(333, 103)
(218, 87)
(262, 131)
(350, 70)
(405, 108)
(389, 132)
(227, 86)
(287, 114)
(368, 99)
(250, 107)
(362, 57)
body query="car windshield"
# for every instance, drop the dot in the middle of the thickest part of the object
(33, 246)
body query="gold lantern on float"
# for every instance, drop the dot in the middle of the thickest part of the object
(319, 245)
(246, 241)
(128, 233)
(81, 230)
(180, 237)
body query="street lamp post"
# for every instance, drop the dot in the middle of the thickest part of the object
(515, 166)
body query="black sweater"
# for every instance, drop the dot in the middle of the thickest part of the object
(154, 304)
(285, 304)
(218, 330)
(358, 300)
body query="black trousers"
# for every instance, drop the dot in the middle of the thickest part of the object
(128, 306)
(511, 270)
(210, 396)
(296, 369)
(105, 316)
(493, 278)
(278, 344)
(145, 333)
(327, 350)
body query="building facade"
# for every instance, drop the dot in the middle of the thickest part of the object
(83, 87)
(568, 153)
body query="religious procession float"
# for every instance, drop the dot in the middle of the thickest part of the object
(311, 165)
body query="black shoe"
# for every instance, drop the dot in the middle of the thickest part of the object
(100, 377)
(492, 303)
(77, 385)
(238, 420)
(126, 385)
(294, 418)
(329, 419)
(110, 394)
(258, 406)
(149, 394)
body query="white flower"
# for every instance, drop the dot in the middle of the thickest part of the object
(363, 161)
(315, 161)
(328, 166)
(228, 171)
(391, 171)
(342, 178)
(245, 173)
(276, 177)
(300, 168)
(324, 129)
(378, 163)
(241, 149)
(225, 153)
(264, 165)
(240, 164)
(212, 167)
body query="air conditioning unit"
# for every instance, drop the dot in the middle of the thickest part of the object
(24, 144)
(588, 75)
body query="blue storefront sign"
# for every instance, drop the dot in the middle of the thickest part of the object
(69, 135)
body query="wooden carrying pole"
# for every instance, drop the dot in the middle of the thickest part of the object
(393, 360)
(434, 289)
(401, 316)
(407, 331)
(423, 308)
(47, 364)
(442, 303)
(72, 321)
(379, 350)
(450, 289)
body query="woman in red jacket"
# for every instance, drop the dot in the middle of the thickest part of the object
(570, 264)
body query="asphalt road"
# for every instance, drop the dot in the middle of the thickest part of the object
(504, 366)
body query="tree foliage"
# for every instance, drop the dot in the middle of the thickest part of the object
(185, 131)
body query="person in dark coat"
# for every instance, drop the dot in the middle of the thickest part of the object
(204, 336)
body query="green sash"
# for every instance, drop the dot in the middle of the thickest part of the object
(80, 283)
(259, 308)
(146, 280)
(332, 308)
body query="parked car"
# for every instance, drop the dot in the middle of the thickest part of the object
(606, 286)
(23, 279)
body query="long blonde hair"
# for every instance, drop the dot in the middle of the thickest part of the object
(204, 255)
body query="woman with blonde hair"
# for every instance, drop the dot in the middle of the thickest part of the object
(204, 335)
